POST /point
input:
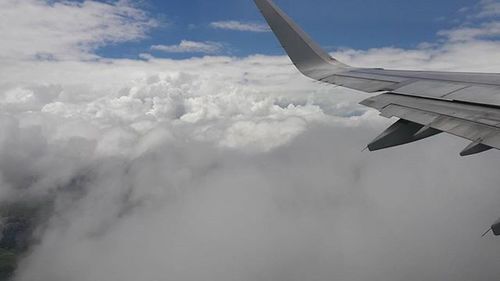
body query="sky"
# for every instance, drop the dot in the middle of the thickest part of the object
(175, 141)
(335, 24)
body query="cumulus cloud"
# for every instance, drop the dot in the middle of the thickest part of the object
(489, 8)
(211, 96)
(221, 168)
(240, 26)
(482, 22)
(67, 30)
(486, 30)
(186, 46)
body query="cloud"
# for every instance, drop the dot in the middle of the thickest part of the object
(186, 46)
(67, 30)
(146, 56)
(486, 30)
(489, 8)
(240, 26)
(481, 22)
(210, 99)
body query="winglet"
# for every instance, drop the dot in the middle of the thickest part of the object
(307, 56)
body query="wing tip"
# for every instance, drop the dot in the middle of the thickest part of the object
(306, 55)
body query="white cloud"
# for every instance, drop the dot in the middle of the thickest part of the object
(485, 30)
(240, 26)
(481, 22)
(146, 56)
(489, 8)
(208, 99)
(186, 46)
(67, 30)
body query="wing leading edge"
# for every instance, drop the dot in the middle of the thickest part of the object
(427, 102)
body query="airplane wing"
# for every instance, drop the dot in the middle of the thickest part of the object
(427, 102)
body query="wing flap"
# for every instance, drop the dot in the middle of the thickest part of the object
(417, 116)
(478, 94)
(468, 122)
(360, 84)
(429, 88)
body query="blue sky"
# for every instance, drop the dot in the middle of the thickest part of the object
(359, 24)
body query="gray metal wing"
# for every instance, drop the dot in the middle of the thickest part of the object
(428, 102)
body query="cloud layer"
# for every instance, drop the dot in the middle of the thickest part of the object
(220, 168)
